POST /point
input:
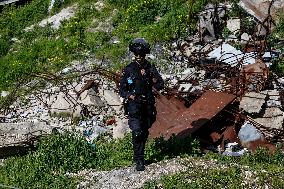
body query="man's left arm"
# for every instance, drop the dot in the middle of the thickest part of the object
(158, 82)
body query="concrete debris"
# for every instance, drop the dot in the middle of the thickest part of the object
(272, 118)
(112, 99)
(213, 88)
(230, 55)
(65, 103)
(265, 13)
(234, 25)
(121, 128)
(245, 38)
(17, 138)
(91, 97)
(252, 102)
(226, 53)
(55, 20)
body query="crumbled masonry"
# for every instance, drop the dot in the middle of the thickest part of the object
(214, 91)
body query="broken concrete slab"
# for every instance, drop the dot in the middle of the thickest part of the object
(252, 102)
(245, 38)
(91, 97)
(18, 137)
(112, 98)
(272, 118)
(66, 103)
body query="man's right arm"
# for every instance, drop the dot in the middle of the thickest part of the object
(123, 86)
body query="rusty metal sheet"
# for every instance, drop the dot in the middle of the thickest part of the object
(185, 121)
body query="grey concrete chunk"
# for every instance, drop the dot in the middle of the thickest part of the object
(252, 102)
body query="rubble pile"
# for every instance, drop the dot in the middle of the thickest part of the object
(88, 105)
(222, 94)
(214, 64)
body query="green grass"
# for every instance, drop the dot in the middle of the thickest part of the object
(228, 172)
(199, 178)
(46, 167)
(60, 154)
(45, 49)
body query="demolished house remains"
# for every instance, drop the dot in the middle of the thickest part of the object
(226, 97)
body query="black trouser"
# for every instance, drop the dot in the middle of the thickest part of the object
(140, 119)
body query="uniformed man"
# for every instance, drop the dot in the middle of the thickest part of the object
(137, 83)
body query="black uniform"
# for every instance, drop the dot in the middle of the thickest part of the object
(141, 111)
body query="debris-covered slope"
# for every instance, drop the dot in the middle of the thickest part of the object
(222, 70)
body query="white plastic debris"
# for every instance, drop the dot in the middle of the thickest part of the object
(226, 53)
(238, 153)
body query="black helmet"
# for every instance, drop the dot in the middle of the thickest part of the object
(139, 46)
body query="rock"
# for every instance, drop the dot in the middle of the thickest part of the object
(120, 128)
(234, 25)
(66, 70)
(116, 42)
(64, 14)
(55, 20)
(245, 38)
(50, 6)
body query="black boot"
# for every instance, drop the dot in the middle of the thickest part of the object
(140, 165)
